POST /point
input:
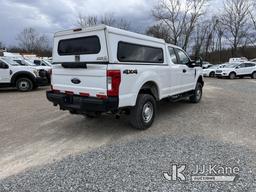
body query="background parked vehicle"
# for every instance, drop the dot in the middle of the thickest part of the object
(24, 78)
(206, 65)
(245, 69)
(238, 60)
(211, 71)
(26, 62)
(42, 63)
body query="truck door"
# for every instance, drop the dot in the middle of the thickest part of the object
(175, 73)
(4, 73)
(187, 74)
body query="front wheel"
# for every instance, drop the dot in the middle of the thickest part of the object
(232, 75)
(24, 84)
(197, 94)
(143, 114)
(254, 75)
(212, 74)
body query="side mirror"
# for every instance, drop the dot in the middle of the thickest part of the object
(237, 67)
(198, 62)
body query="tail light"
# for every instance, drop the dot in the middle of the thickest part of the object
(113, 82)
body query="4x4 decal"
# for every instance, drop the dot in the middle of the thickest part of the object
(129, 71)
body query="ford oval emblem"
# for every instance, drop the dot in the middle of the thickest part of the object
(76, 81)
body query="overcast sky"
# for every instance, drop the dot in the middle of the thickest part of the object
(49, 16)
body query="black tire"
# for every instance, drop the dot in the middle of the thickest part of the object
(254, 75)
(24, 84)
(232, 75)
(197, 94)
(143, 114)
(212, 74)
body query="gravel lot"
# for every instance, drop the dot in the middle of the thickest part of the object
(52, 150)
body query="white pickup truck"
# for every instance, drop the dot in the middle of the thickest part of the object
(104, 69)
(24, 78)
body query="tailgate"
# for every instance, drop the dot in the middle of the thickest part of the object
(92, 81)
(84, 55)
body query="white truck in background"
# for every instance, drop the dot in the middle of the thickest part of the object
(103, 69)
(24, 78)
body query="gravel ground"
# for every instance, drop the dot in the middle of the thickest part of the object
(43, 145)
(139, 166)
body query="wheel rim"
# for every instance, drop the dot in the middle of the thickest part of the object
(232, 76)
(23, 85)
(254, 75)
(198, 94)
(147, 112)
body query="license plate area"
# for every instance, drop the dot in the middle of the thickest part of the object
(68, 100)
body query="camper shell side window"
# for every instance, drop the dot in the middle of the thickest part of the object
(130, 52)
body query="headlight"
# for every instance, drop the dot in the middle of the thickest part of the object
(36, 72)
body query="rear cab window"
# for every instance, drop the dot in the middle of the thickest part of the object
(87, 46)
(79, 46)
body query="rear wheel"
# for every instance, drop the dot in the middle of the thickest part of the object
(143, 114)
(232, 75)
(198, 93)
(24, 84)
(212, 74)
(254, 75)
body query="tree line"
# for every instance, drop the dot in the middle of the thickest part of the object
(229, 31)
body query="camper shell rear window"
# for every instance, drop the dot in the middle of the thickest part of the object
(79, 46)
(128, 52)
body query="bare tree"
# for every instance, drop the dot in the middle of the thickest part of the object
(180, 17)
(252, 13)
(87, 21)
(235, 21)
(201, 32)
(160, 31)
(107, 19)
(31, 41)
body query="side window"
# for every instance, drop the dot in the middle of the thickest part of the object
(249, 65)
(184, 59)
(173, 56)
(242, 65)
(3, 65)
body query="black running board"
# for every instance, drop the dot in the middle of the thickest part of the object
(182, 96)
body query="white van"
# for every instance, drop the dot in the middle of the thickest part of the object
(102, 69)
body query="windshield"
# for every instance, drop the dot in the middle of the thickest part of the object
(10, 61)
(47, 63)
(213, 67)
(29, 63)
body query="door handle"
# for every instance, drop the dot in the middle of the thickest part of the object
(184, 71)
